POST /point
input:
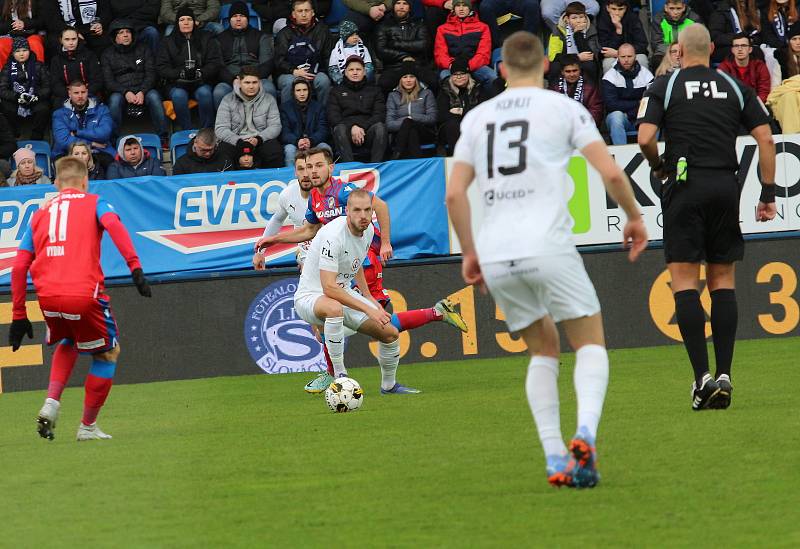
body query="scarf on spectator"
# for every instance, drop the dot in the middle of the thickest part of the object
(578, 94)
(23, 80)
(569, 37)
(737, 26)
(20, 179)
(342, 51)
(779, 23)
(87, 11)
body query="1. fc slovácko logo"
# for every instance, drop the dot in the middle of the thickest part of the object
(278, 340)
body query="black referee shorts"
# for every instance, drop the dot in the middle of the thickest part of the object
(701, 218)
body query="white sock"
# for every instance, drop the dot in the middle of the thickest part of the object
(334, 341)
(388, 358)
(591, 381)
(541, 386)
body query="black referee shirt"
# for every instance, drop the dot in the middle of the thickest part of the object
(701, 111)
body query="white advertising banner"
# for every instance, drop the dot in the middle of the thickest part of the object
(598, 220)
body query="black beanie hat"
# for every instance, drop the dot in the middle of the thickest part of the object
(460, 64)
(184, 11)
(239, 8)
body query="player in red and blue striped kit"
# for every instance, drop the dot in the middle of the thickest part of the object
(61, 248)
(326, 202)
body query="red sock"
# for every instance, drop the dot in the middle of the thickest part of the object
(328, 360)
(64, 359)
(408, 320)
(97, 389)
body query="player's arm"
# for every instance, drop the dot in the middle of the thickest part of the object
(122, 240)
(649, 118)
(461, 218)
(332, 290)
(382, 213)
(273, 227)
(295, 236)
(20, 325)
(619, 188)
(766, 209)
(363, 286)
(647, 138)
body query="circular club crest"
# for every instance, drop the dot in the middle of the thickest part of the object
(278, 340)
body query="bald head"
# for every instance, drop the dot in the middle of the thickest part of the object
(695, 43)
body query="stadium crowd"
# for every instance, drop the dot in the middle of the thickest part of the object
(381, 82)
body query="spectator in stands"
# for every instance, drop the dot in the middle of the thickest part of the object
(83, 150)
(463, 35)
(528, 10)
(73, 62)
(204, 155)
(623, 87)
(27, 172)
(22, 19)
(206, 14)
(574, 84)
(576, 35)
(776, 18)
(789, 56)
(459, 93)
(143, 15)
(83, 118)
(302, 49)
(250, 114)
(129, 75)
(275, 14)
(553, 10)
(742, 66)
(411, 114)
(133, 160)
(349, 44)
(25, 90)
(304, 123)
(366, 14)
(729, 18)
(244, 157)
(241, 46)
(618, 24)
(401, 37)
(671, 61)
(189, 61)
(667, 25)
(89, 18)
(784, 100)
(357, 114)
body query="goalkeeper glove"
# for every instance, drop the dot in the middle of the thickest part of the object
(141, 283)
(17, 331)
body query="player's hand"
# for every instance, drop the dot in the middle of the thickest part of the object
(259, 263)
(471, 271)
(634, 238)
(141, 283)
(19, 328)
(766, 212)
(387, 252)
(379, 315)
(263, 243)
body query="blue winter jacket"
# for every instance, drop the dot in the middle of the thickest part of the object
(120, 169)
(315, 127)
(97, 126)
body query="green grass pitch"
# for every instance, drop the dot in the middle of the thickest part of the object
(255, 462)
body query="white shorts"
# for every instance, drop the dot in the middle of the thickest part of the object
(531, 288)
(353, 318)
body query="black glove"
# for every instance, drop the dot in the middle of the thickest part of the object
(18, 330)
(33, 99)
(141, 283)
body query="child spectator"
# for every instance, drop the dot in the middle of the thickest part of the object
(25, 90)
(22, 19)
(667, 25)
(349, 44)
(576, 35)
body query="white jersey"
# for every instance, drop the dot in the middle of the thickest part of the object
(337, 250)
(519, 144)
(291, 205)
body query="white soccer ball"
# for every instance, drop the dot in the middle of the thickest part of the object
(344, 395)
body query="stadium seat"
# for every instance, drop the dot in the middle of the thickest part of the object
(43, 152)
(179, 142)
(151, 142)
(225, 9)
(337, 13)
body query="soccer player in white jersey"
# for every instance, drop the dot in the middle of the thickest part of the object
(292, 203)
(324, 296)
(517, 147)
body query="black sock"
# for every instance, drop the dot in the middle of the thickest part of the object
(724, 319)
(692, 323)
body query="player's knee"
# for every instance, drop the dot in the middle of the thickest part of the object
(109, 356)
(389, 336)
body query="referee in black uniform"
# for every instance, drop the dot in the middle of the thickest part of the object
(701, 111)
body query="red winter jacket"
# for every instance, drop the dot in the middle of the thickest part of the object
(468, 38)
(755, 75)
